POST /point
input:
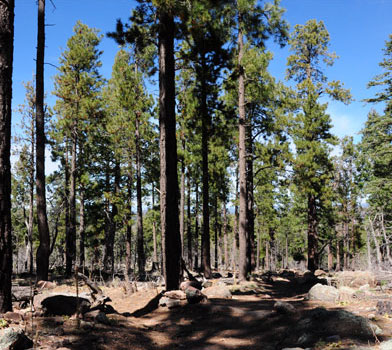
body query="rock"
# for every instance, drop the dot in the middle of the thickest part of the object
(60, 304)
(338, 322)
(194, 296)
(216, 275)
(45, 285)
(194, 284)
(13, 317)
(175, 294)
(170, 303)
(323, 293)
(318, 273)
(355, 279)
(284, 308)
(218, 292)
(14, 339)
(293, 349)
(346, 293)
(386, 345)
(207, 284)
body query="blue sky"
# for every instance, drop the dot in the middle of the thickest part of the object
(358, 29)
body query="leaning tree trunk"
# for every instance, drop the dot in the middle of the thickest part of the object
(6, 58)
(312, 234)
(243, 234)
(43, 251)
(141, 259)
(168, 153)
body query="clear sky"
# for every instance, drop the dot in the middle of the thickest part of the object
(358, 29)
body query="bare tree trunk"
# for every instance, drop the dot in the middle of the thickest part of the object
(386, 240)
(338, 265)
(189, 223)
(286, 265)
(330, 257)
(216, 234)
(71, 239)
(225, 238)
(205, 238)
(128, 250)
(312, 234)
(258, 249)
(168, 153)
(182, 198)
(369, 251)
(82, 231)
(29, 251)
(243, 234)
(267, 256)
(376, 244)
(141, 259)
(6, 59)
(235, 226)
(43, 228)
(250, 221)
(154, 229)
(196, 262)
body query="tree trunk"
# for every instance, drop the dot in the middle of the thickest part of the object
(6, 59)
(189, 223)
(196, 262)
(338, 265)
(376, 244)
(216, 234)
(243, 234)
(225, 238)
(312, 234)
(71, 239)
(128, 250)
(235, 226)
(66, 200)
(82, 231)
(168, 153)
(369, 250)
(141, 259)
(43, 228)
(29, 250)
(182, 198)
(386, 240)
(154, 229)
(258, 249)
(250, 221)
(330, 257)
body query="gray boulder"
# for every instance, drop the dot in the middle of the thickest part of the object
(284, 308)
(14, 339)
(323, 293)
(218, 291)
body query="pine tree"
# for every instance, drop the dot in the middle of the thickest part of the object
(76, 87)
(311, 126)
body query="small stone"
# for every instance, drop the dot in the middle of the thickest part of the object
(14, 339)
(13, 317)
(175, 294)
(284, 308)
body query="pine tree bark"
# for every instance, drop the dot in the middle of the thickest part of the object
(216, 234)
(141, 259)
(312, 234)
(243, 234)
(168, 153)
(154, 230)
(43, 251)
(225, 238)
(235, 226)
(6, 60)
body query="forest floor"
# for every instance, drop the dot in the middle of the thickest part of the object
(246, 321)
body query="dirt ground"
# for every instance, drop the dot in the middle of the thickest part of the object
(246, 321)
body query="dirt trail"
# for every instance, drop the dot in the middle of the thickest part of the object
(244, 322)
